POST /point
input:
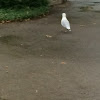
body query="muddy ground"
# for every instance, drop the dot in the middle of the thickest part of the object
(39, 61)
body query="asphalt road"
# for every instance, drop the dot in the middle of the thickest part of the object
(39, 61)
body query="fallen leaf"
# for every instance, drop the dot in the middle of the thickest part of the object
(49, 36)
(8, 21)
(44, 15)
(6, 66)
(27, 19)
(63, 63)
(3, 22)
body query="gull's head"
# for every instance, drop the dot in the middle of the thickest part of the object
(63, 14)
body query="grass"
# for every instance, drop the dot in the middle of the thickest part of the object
(21, 14)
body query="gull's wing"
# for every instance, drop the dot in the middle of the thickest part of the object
(65, 23)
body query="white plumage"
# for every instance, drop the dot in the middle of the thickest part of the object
(64, 22)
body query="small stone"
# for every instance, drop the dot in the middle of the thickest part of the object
(36, 91)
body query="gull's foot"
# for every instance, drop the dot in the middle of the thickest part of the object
(69, 30)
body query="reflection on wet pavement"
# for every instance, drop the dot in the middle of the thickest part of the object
(83, 11)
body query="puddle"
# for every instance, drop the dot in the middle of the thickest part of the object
(2, 98)
(83, 11)
(10, 39)
(96, 2)
(97, 11)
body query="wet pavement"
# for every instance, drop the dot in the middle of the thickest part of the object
(38, 61)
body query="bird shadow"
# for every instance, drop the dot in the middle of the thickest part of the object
(66, 32)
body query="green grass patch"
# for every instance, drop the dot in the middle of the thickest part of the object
(21, 14)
